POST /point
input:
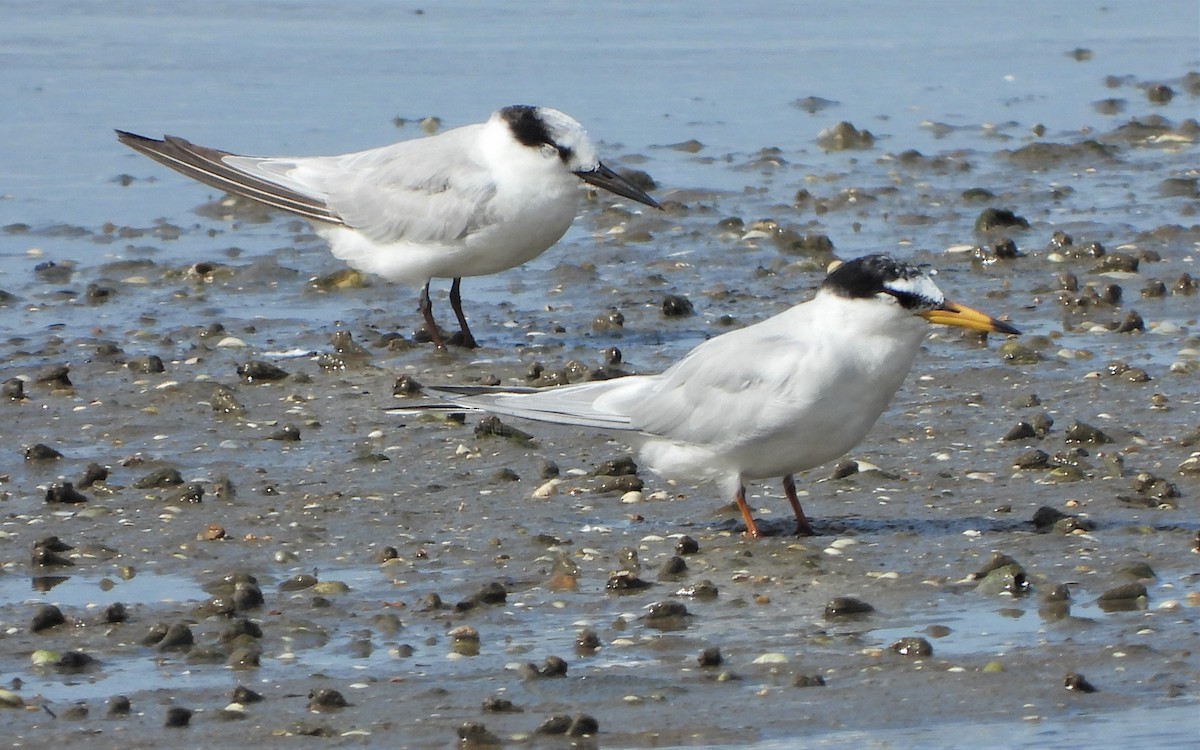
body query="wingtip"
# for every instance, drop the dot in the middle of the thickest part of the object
(128, 138)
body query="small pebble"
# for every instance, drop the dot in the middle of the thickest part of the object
(847, 606)
(47, 616)
(915, 646)
(686, 546)
(1078, 683)
(710, 657)
(118, 706)
(177, 717)
(326, 699)
(42, 452)
(64, 492)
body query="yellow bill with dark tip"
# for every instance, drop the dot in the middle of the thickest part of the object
(951, 314)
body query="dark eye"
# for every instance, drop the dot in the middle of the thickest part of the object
(908, 300)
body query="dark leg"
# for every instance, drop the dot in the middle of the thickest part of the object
(468, 340)
(426, 308)
(789, 488)
(740, 499)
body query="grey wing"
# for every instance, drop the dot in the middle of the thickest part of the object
(429, 190)
(220, 169)
(572, 404)
(727, 390)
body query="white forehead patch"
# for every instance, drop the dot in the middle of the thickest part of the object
(918, 285)
(567, 132)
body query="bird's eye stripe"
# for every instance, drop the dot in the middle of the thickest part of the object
(911, 300)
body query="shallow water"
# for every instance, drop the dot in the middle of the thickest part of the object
(963, 85)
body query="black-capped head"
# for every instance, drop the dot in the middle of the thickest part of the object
(536, 127)
(874, 275)
(559, 135)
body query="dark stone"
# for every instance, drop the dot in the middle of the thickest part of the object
(557, 724)
(177, 636)
(616, 467)
(1078, 683)
(406, 385)
(673, 569)
(992, 219)
(47, 616)
(177, 717)
(115, 613)
(118, 707)
(260, 371)
(1019, 431)
(496, 704)
(491, 593)
(583, 725)
(625, 581)
(56, 376)
(13, 389)
(192, 492)
(159, 478)
(491, 426)
(1034, 459)
(149, 364)
(664, 612)
(1079, 432)
(847, 606)
(42, 452)
(74, 662)
(326, 699)
(474, 733)
(587, 641)
(843, 469)
(676, 306)
(710, 657)
(914, 646)
(289, 433)
(92, 474)
(64, 492)
(244, 695)
(224, 401)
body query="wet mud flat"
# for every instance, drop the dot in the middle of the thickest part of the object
(207, 511)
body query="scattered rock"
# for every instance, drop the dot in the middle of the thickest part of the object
(47, 616)
(474, 733)
(177, 717)
(64, 492)
(118, 707)
(326, 699)
(847, 606)
(676, 306)
(42, 452)
(992, 219)
(1078, 683)
(843, 137)
(914, 646)
(710, 657)
(258, 371)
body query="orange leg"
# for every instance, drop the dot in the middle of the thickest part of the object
(740, 498)
(789, 489)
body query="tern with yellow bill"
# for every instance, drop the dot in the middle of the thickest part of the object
(779, 397)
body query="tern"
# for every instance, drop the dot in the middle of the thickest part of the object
(770, 400)
(471, 201)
